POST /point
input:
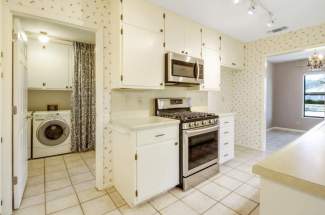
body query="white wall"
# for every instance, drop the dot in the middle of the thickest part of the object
(39, 99)
(269, 95)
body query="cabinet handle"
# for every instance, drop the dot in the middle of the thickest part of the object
(160, 135)
(234, 64)
(176, 143)
(226, 143)
(225, 155)
(182, 52)
(186, 52)
(226, 132)
(66, 87)
(226, 122)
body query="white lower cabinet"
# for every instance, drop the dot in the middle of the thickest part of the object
(143, 169)
(226, 138)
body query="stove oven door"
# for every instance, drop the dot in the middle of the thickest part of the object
(200, 149)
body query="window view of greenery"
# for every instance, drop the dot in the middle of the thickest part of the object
(314, 95)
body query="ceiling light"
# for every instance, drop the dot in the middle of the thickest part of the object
(43, 38)
(315, 62)
(251, 9)
(236, 1)
(270, 23)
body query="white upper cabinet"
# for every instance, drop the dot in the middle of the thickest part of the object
(143, 58)
(49, 67)
(182, 36)
(211, 70)
(137, 45)
(210, 39)
(232, 52)
(142, 14)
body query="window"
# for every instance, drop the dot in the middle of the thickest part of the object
(314, 95)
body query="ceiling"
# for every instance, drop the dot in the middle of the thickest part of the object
(233, 20)
(296, 55)
(57, 30)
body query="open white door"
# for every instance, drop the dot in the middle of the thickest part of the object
(20, 159)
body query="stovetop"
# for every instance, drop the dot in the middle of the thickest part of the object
(188, 116)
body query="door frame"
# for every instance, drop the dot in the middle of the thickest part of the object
(6, 102)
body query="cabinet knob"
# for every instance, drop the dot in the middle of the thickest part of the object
(161, 30)
(186, 52)
(182, 52)
(176, 143)
(203, 44)
(161, 84)
(66, 87)
(44, 84)
(234, 64)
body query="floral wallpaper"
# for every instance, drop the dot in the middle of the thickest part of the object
(250, 83)
(87, 13)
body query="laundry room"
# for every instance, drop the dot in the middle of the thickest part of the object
(54, 105)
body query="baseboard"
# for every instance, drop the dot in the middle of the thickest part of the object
(286, 129)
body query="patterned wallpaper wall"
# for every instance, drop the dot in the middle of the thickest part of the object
(250, 83)
(90, 14)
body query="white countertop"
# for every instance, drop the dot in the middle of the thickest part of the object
(299, 165)
(138, 123)
(225, 114)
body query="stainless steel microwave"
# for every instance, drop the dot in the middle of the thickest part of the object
(183, 69)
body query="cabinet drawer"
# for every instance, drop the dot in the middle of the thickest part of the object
(226, 155)
(226, 122)
(226, 132)
(226, 143)
(157, 135)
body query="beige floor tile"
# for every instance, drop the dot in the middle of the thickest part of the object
(178, 208)
(61, 203)
(53, 176)
(143, 209)
(78, 170)
(76, 179)
(228, 182)
(35, 180)
(114, 212)
(33, 210)
(215, 191)
(75, 164)
(57, 184)
(35, 172)
(56, 168)
(220, 209)
(239, 175)
(239, 204)
(249, 192)
(85, 185)
(100, 205)
(247, 168)
(56, 194)
(111, 189)
(179, 193)
(54, 162)
(198, 201)
(163, 200)
(89, 194)
(255, 182)
(33, 200)
(37, 163)
(34, 190)
(117, 199)
(76, 210)
(256, 211)
(233, 163)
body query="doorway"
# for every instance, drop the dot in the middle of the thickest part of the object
(48, 158)
(295, 95)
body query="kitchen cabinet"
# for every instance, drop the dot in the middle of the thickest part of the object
(210, 39)
(211, 70)
(145, 161)
(182, 36)
(49, 67)
(137, 45)
(232, 52)
(227, 137)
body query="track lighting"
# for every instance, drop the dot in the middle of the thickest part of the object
(43, 38)
(270, 23)
(252, 8)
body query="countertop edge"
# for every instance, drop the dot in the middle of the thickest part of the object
(290, 181)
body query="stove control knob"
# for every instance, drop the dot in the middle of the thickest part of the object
(198, 123)
(211, 121)
(192, 125)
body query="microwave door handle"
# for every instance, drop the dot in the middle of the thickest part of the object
(197, 70)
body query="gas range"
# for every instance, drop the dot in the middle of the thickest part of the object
(199, 138)
(190, 120)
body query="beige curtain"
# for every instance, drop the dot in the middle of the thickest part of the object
(83, 101)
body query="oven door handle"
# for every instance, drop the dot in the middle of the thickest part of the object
(198, 131)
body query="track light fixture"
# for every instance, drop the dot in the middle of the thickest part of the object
(252, 8)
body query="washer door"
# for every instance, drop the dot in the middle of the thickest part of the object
(52, 133)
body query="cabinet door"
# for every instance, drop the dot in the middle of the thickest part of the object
(48, 67)
(211, 70)
(143, 58)
(193, 39)
(143, 14)
(157, 168)
(210, 39)
(175, 33)
(232, 53)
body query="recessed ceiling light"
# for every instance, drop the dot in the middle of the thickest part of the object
(251, 10)
(43, 38)
(270, 23)
(236, 1)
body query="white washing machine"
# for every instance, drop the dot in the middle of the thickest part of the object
(51, 133)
